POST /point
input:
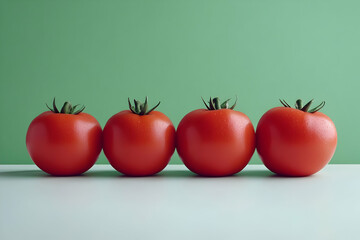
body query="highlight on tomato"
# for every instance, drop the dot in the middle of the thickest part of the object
(139, 141)
(65, 142)
(296, 141)
(216, 141)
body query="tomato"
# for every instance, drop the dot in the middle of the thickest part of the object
(138, 142)
(217, 141)
(64, 143)
(296, 142)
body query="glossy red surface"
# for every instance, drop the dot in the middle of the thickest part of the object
(139, 145)
(215, 142)
(295, 143)
(64, 144)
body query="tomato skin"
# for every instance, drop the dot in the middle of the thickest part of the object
(291, 142)
(64, 144)
(139, 145)
(215, 142)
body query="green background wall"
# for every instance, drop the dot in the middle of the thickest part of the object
(100, 52)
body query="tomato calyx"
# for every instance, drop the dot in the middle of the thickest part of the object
(67, 108)
(214, 104)
(140, 108)
(306, 107)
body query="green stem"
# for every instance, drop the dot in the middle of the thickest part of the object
(67, 108)
(214, 104)
(140, 108)
(306, 107)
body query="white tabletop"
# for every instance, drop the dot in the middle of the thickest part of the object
(176, 204)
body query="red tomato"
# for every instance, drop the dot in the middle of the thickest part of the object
(215, 141)
(294, 142)
(139, 144)
(64, 144)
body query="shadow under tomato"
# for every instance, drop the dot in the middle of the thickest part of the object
(102, 173)
(93, 174)
(163, 174)
(244, 173)
(290, 177)
(115, 174)
(255, 173)
(25, 174)
(34, 174)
